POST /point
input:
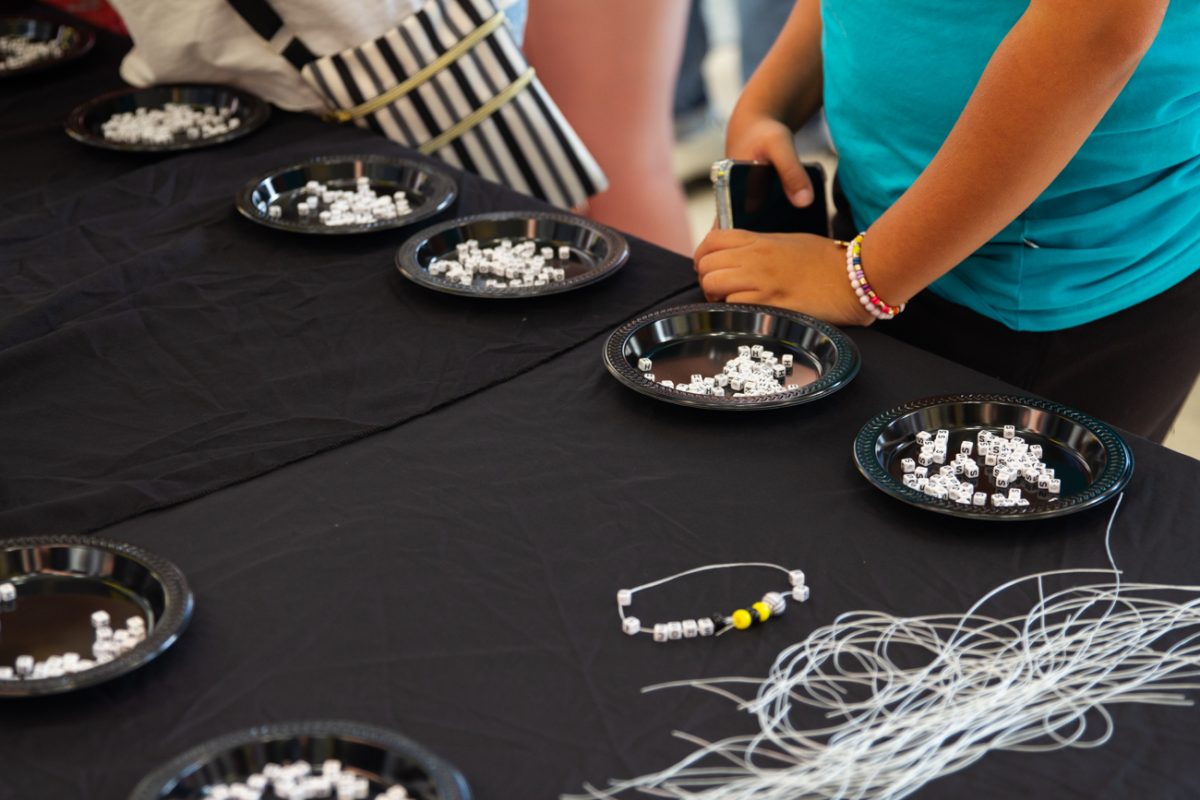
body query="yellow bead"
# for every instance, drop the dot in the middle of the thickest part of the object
(764, 611)
(741, 619)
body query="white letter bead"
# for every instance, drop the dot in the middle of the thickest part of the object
(660, 632)
(564, 253)
(631, 625)
(624, 597)
(775, 602)
(923, 437)
(1010, 431)
(966, 448)
(800, 593)
(8, 592)
(908, 465)
(1055, 486)
(645, 365)
(24, 665)
(705, 626)
(674, 630)
(100, 619)
(787, 359)
(7, 674)
(979, 499)
(796, 577)
(690, 629)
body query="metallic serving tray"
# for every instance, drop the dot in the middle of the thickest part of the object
(700, 338)
(596, 251)
(83, 124)
(383, 757)
(79, 41)
(429, 191)
(1090, 458)
(60, 581)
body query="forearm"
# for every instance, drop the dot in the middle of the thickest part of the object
(787, 84)
(1046, 88)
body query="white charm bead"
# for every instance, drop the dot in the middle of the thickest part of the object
(776, 602)
(631, 625)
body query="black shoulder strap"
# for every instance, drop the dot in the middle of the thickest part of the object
(259, 15)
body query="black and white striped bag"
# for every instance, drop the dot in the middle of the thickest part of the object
(451, 82)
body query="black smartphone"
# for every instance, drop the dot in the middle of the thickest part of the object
(750, 196)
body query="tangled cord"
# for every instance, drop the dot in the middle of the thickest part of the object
(1033, 683)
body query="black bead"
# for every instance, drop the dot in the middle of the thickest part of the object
(755, 617)
(718, 620)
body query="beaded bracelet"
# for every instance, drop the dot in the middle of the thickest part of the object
(772, 604)
(858, 282)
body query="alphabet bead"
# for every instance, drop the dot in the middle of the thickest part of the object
(631, 625)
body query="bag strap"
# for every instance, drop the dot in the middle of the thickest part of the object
(425, 73)
(259, 15)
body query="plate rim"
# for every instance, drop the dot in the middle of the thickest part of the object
(447, 188)
(73, 123)
(87, 42)
(451, 784)
(406, 256)
(845, 369)
(177, 613)
(1111, 481)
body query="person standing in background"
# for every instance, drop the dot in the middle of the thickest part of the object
(611, 67)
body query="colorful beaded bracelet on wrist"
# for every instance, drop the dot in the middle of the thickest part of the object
(772, 604)
(858, 282)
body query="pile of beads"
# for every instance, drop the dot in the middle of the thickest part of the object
(336, 207)
(771, 604)
(173, 122)
(1007, 459)
(17, 51)
(754, 373)
(106, 646)
(302, 781)
(503, 266)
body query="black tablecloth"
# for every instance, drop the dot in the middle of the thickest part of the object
(453, 576)
(155, 346)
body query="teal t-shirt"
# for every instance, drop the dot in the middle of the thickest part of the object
(1119, 225)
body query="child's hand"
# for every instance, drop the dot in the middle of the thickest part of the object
(762, 138)
(789, 270)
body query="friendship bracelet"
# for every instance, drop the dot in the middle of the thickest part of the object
(772, 604)
(858, 282)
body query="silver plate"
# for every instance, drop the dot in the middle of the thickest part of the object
(381, 756)
(78, 41)
(83, 123)
(596, 251)
(701, 338)
(1090, 458)
(429, 191)
(60, 581)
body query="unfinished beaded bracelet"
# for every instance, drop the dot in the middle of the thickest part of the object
(772, 604)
